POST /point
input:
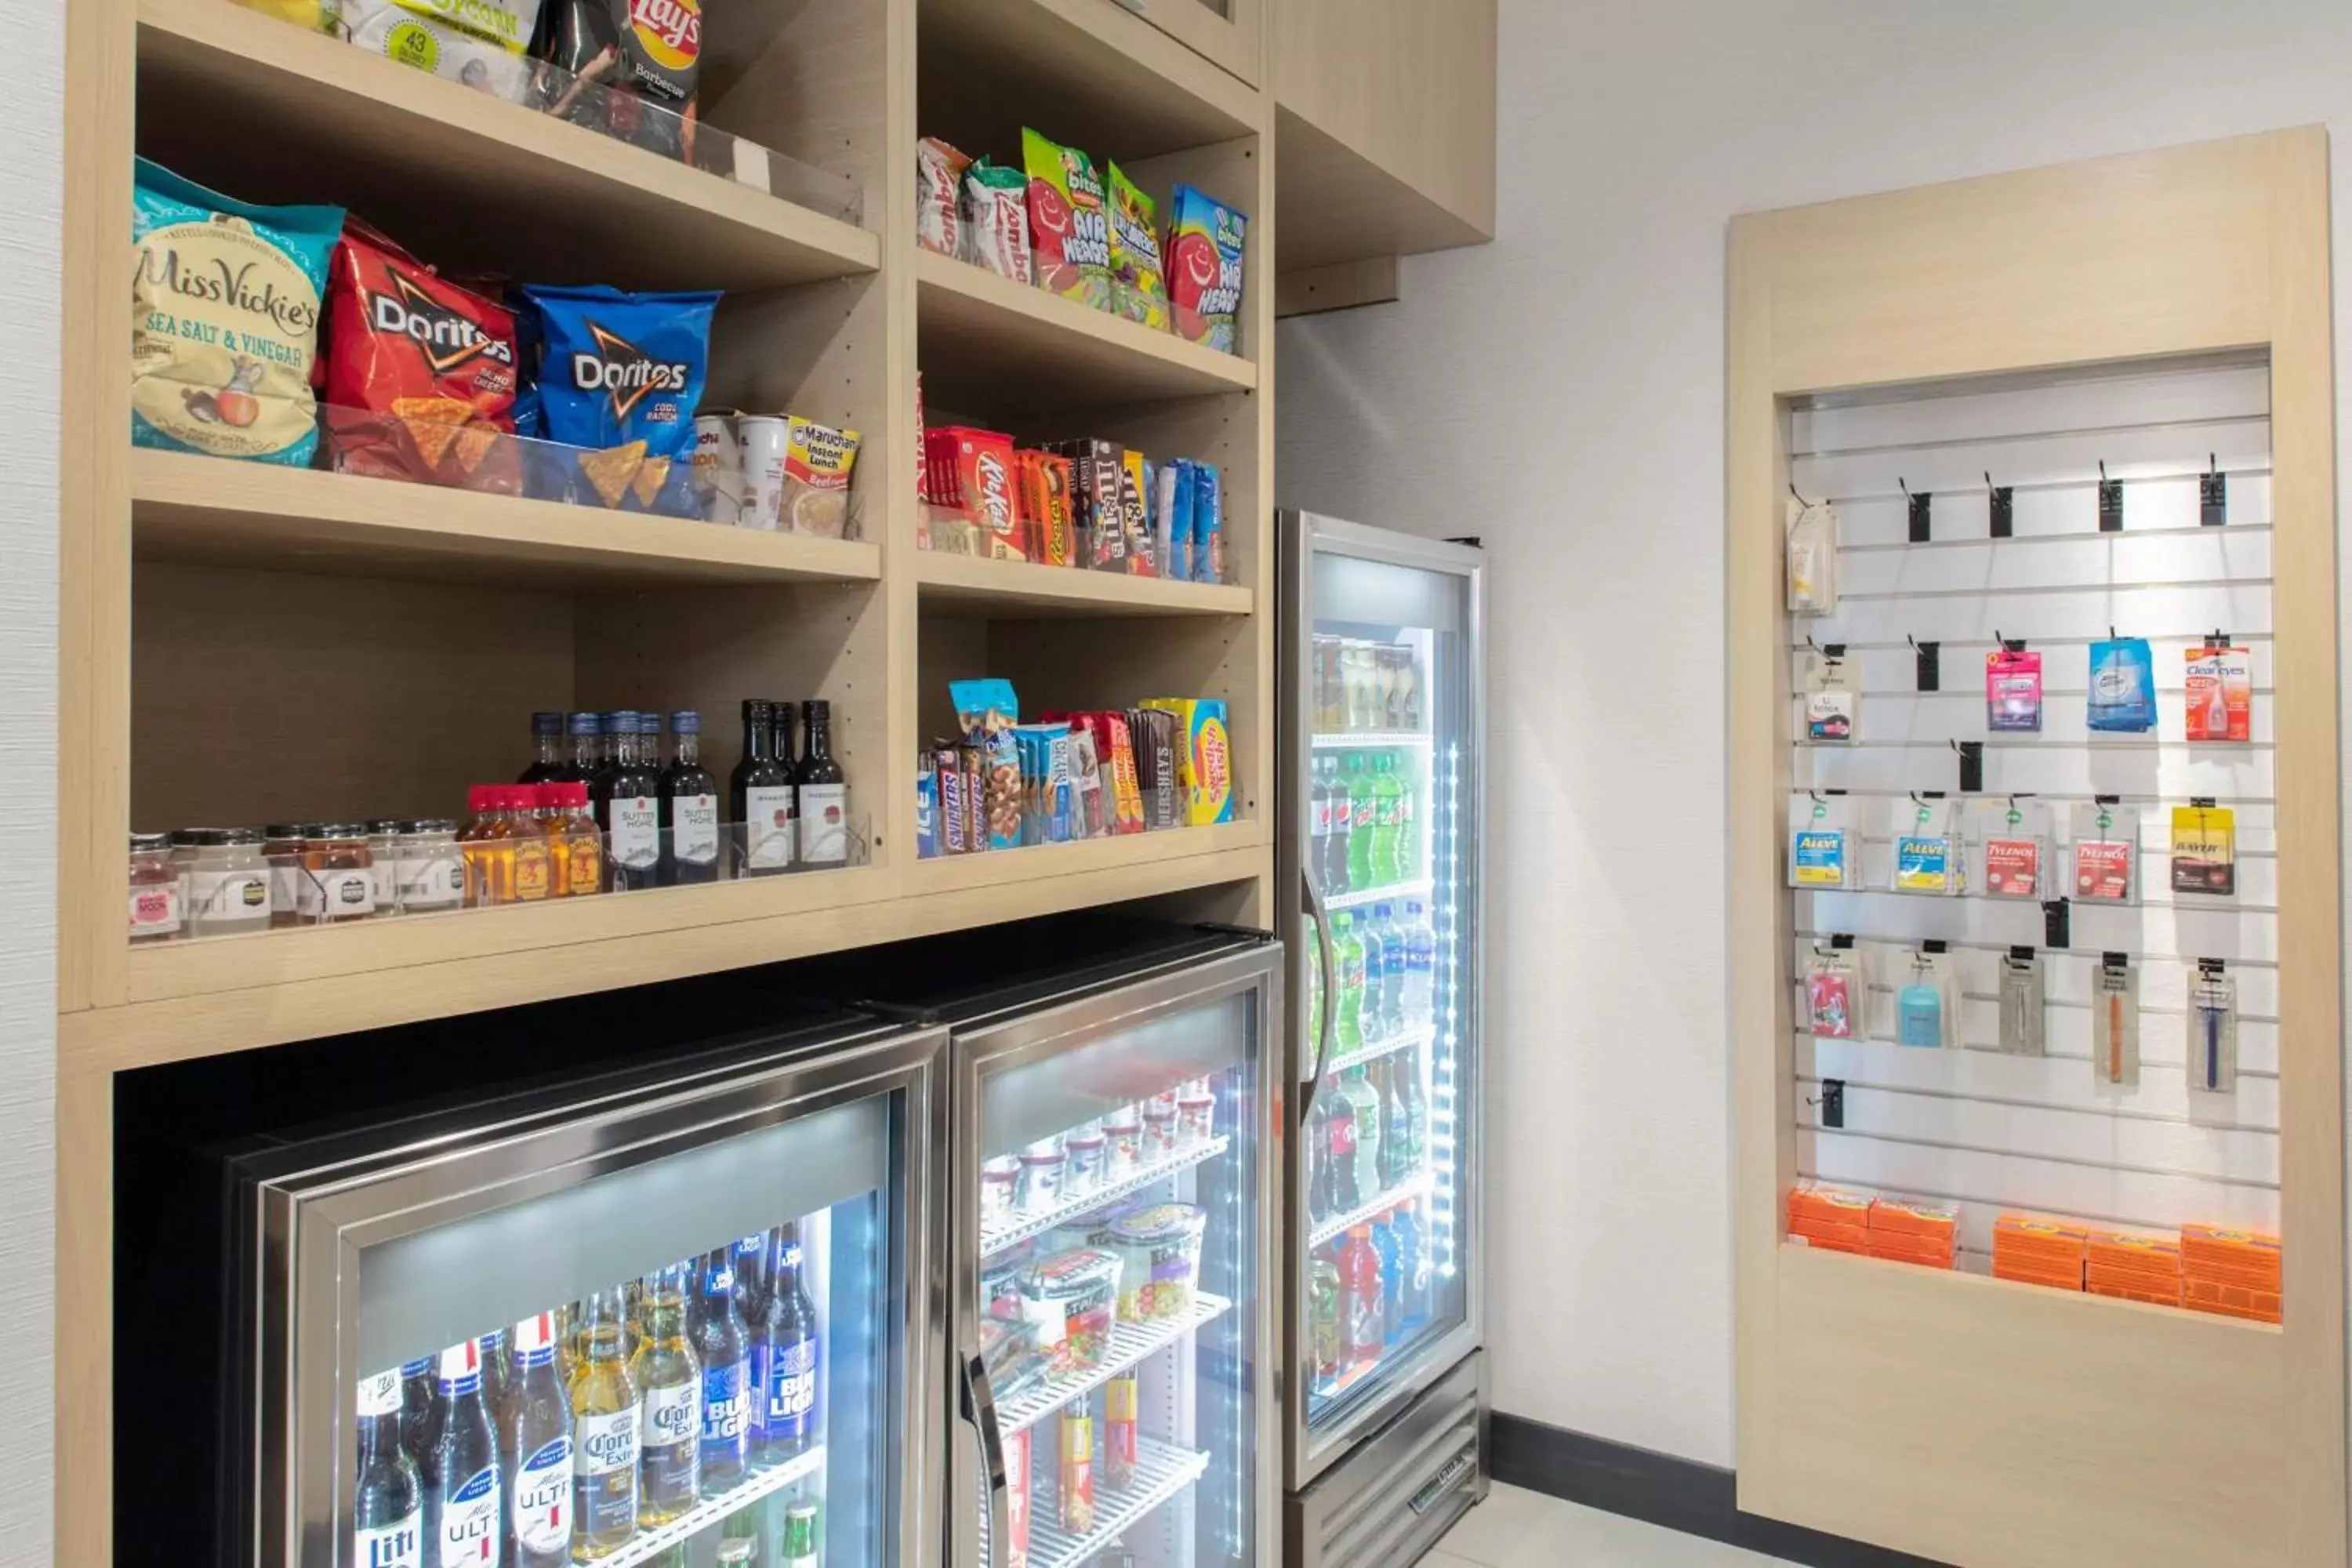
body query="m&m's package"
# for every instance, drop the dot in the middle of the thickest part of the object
(1204, 262)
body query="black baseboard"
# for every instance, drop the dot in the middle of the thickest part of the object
(1658, 1489)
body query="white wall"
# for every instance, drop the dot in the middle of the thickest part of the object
(1560, 394)
(31, 196)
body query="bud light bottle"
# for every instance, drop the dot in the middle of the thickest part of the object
(464, 1520)
(387, 1495)
(789, 1387)
(603, 1432)
(726, 1379)
(535, 1446)
(669, 1390)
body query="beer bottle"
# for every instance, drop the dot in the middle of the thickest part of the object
(387, 1495)
(535, 1448)
(604, 1433)
(416, 1399)
(463, 1516)
(790, 1385)
(669, 1376)
(800, 1536)
(498, 1376)
(726, 1378)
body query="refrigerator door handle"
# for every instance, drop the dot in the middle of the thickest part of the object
(980, 1409)
(1322, 918)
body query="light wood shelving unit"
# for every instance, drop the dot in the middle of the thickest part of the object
(245, 642)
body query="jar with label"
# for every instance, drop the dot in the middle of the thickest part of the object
(1122, 1143)
(1000, 1179)
(228, 881)
(1196, 1114)
(1088, 1152)
(383, 851)
(338, 881)
(1042, 1164)
(428, 865)
(1159, 1118)
(155, 890)
(281, 850)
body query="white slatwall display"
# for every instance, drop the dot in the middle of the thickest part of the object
(1991, 1132)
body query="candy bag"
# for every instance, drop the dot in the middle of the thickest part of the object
(996, 221)
(1208, 525)
(938, 197)
(1068, 232)
(1204, 267)
(1137, 290)
(988, 712)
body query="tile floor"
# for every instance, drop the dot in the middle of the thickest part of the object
(1515, 1529)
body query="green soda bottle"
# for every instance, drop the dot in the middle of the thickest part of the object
(1388, 821)
(1348, 959)
(1363, 814)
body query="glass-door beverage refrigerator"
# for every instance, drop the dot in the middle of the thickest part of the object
(658, 1292)
(1381, 837)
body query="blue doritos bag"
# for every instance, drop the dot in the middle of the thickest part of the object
(618, 368)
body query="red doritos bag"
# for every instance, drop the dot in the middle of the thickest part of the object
(420, 372)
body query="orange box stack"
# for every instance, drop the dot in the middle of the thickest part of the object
(1904, 1230)
(2233, 1273)
(2035, 1251)
(1827, 1217)
(2135, 1268)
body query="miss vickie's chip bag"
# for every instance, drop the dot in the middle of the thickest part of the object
(619, 369)
(225, 320)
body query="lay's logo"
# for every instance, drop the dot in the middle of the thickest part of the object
(669, 31)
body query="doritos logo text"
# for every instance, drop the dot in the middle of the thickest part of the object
(448, 338)
(624, 372)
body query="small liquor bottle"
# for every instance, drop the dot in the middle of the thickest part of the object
(760, 795)
(546, 763)
(824, 792)
(690, 808)
(585, 751)
(627, 796)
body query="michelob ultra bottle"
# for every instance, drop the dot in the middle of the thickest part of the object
(669, 1376)
(535, 1446)
(387, 1495)
(604, 1433)
(463, 1517)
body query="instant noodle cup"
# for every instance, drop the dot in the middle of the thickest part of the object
(1158, 1249)
(1069, 234)
(1072, 1302)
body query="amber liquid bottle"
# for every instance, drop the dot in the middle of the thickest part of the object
(760, 795)
(628, 807)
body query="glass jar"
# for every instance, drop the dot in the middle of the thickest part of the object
(430, 869)
(281, 847)
(1000, 1181)
(229, 880)
(155, 890)
(383, 849)
(338, 881)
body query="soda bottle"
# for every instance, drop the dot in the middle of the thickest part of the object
(1362, 817)
(604, 1432)
(1413, 1267)
(462, 1502)
(1400, 1156)
(1314, 992)
(1367, 1107)
(1408, 837)
(1360, 1310)
(726, 1354)
(1396, 969)
(788, 1381)
(1348, 961)
(1325, 1340)
(1405, 1075)
(1318, 815)
(1342, 1148)
(1317, 1149)
(535, 1448)
(1370, 1025)
(669, 1376)
(1334, 876)
(1420, 968)
(1385, 1246)
(387, 1495)
(1388, 807)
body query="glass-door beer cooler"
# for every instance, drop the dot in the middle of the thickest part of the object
(1381, 790)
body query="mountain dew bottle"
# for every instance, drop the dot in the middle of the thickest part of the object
(1348, 958)
(1364, 813)
(1387, 820)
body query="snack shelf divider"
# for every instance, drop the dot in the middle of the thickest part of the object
(995, 1241)
(1131, 1344)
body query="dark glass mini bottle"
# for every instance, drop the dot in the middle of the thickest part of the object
(690, 808)
(627, 795)
(786, 1422)
(760, 795)
(611, 729)
(587, 748)
(824, 794)
(547, 765)
(387, 1495)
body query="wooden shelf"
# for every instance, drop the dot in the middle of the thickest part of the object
(451, 171)
(980, 337)
(974, 585)
(1047, 862)
(213, 510)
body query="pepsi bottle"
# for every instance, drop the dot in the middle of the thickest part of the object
(387, 1495)
(719, 1341)
(788, 1388)
(535, 1451)
(463, 1522)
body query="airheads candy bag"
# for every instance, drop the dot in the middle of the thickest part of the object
(1068, 233)
(1203, 260)
(225, 320)
(620, 369)
(1137, 290)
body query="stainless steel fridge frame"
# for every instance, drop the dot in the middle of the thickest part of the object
(1309, 1454)
(1052, 1030)
(311, 1238)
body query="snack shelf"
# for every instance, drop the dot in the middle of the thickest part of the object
(995, 1241)
(1337, 1225)
(976, 584)
(422, 148)
(1168, 846)
(190, 507)
(648, 1545)
(1373, 1050)
(1418, 889)
(978, 333)
(1370, 740)
(1130, 1345)
(1162, 1471)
